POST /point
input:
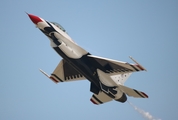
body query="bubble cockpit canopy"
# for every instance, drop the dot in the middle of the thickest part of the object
(59, 26)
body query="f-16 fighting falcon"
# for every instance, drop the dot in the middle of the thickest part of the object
(107, 76)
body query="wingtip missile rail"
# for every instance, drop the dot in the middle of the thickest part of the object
(137, 64)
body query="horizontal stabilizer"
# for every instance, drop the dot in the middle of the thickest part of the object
(132, 92)
(100, 98)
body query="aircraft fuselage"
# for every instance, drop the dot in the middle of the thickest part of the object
(95, 69)
(76, 56)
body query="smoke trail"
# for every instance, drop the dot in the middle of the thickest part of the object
(145, 114)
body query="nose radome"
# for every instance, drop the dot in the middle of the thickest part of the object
(34, 19)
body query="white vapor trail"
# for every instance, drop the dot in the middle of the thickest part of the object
(145, 114)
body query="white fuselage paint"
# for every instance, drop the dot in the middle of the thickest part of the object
(68, 46)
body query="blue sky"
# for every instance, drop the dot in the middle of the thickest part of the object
(146, 30)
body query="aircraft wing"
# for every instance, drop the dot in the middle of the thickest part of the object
(64, 72)
(100, 98)
(115, 67)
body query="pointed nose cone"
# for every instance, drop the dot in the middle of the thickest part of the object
(34, 19)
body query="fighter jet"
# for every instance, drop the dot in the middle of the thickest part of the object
(106, 76)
